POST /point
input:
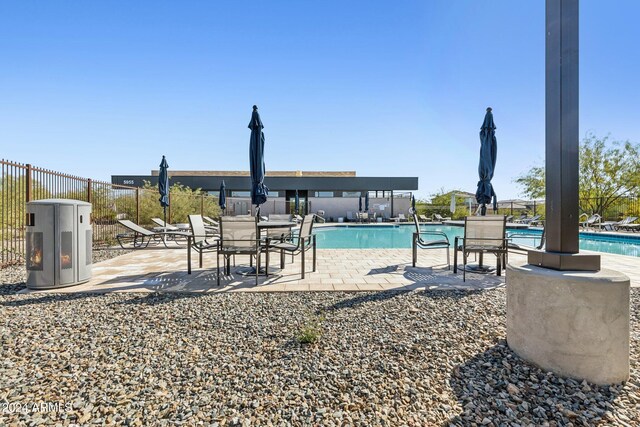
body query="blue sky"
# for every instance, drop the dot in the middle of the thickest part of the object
(383, 88)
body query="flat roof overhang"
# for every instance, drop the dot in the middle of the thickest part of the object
(311, 183)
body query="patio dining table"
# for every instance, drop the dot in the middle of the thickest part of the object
(265, 225)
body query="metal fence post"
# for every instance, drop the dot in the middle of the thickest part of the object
(137, 205)
(28, 192)
(89, 190)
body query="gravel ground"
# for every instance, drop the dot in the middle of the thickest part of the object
(389, 358)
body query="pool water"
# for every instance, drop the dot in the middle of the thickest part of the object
(399, 237)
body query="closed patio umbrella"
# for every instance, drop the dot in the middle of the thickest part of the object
(259, 191)
(222, 198)
(297, 203)
(486, 167)
(360, 204)
(452, 206)
(163, 186)
(366, 202)
(413, 203)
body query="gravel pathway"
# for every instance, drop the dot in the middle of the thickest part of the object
(389, 358)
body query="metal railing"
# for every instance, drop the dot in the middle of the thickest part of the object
(21, 183)
(609, 208)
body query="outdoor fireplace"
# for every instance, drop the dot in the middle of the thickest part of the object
(58, 243)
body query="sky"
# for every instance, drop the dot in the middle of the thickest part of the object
(101, 88)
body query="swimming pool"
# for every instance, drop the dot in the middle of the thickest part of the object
(399, 236)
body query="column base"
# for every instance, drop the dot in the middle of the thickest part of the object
(572, 323)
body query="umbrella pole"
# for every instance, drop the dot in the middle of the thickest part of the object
(483, 210)
(165, 223)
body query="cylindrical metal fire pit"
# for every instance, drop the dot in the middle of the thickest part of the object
(58, 243)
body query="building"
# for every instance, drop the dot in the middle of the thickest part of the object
(335, 193)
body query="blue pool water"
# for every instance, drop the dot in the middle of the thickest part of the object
(399, 236)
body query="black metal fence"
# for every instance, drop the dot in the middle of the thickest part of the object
(609, 208)
(21, 183)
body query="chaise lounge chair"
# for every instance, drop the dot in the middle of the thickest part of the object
(440, 218)
(140, 237)
(167, 227)
(594, 221)
(621, 225)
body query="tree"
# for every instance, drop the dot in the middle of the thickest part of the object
(608, 172)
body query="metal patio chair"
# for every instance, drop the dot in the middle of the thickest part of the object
(200, 240)
(440, 241)
(305, 239)
(482, 234)
(239, 236)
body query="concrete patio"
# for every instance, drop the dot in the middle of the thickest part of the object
(153, 270)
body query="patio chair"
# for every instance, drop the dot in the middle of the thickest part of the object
(210, 221)
(529, 220)
(440, 218)
(522, 248)
(297, 218)
(621, 225)
(281, 233)
(482, 234)
(200, 240)
(593, 221)
(423, 218)
(399, 218)
(441, 241)
(239, 236)
(305, 238)
(510, 218)
(319, 216)
(364, 217)
(140, 237)
(168, 227)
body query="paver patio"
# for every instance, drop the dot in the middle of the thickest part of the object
(153, 270)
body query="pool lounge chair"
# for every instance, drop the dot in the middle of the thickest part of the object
(210, 221)
(139, 237)
(439, 241)
(440, 218)
(482, 234)
(620, 225)
(529, 221)
(166, 226)
(423, 218)
(594, 221)
(399, 218)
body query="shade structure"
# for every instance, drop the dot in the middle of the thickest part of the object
(163, 186)
(222, 197)
(259, 191)
(486, 167)
(297, 203)
(366, 202)
(360, 204)
(452, 206)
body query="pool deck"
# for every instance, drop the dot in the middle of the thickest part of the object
(165, 270)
